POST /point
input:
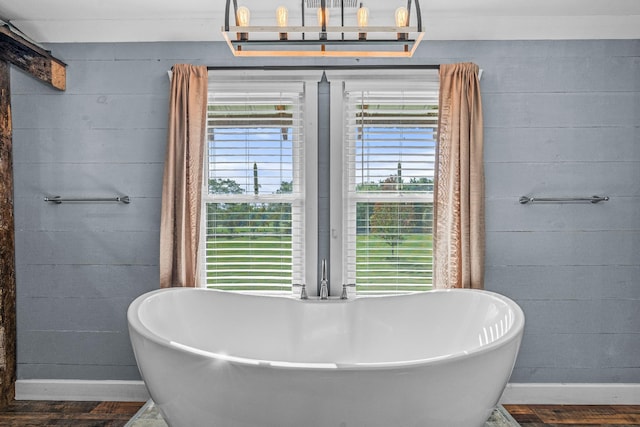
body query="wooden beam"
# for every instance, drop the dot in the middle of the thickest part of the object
(37, 62)
(31, 58)
(7, 246)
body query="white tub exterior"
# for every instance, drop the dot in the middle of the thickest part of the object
(211, 358)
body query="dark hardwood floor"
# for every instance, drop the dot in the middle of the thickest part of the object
(77, 414)
(575, 415)
(116, 414)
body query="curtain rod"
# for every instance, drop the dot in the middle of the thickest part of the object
(329, 67)
(320, 67)
(324, 67)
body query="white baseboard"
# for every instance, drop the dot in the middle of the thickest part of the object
(81, 390)
(572, 394)
(515, 393)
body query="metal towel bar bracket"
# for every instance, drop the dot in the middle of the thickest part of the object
(57, 199)
(593, 199)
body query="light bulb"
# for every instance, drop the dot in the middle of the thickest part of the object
(323, 21)
(242, 18)
(402, 20)
(402, 15)
(323, 18)
(363, 20)
(282, 16)
(243, 15)
(282, 19)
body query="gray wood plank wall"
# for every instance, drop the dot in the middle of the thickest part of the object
(562, 118)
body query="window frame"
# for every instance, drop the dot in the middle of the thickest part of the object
(392, 79)
(236, 80)
(407, 78)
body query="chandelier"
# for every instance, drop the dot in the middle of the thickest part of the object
(325, 38)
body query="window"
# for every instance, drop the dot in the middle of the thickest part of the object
(253, 197)
(260, 199)
(390, 141)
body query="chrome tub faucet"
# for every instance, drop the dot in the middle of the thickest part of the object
(324, 286)
(345, 294)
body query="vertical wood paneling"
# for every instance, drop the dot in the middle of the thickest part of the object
(7, 245)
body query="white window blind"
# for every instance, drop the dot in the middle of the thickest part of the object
(253, 198)
(390, 142)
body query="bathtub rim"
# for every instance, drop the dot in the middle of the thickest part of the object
(515, 333)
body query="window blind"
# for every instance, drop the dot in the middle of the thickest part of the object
(389, 158)
(253, 197)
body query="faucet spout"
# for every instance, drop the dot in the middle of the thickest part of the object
(324, 286)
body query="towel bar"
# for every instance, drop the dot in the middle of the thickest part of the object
(57, 199)
(593, 199)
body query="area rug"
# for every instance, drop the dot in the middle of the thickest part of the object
(149, 416)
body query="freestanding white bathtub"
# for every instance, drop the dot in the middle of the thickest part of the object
(212, 358)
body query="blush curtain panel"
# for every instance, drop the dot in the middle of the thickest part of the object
(182, 182)
(459, 240)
